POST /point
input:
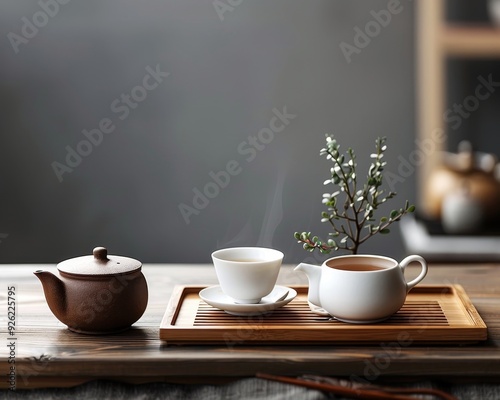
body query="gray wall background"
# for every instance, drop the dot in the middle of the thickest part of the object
(226, 77)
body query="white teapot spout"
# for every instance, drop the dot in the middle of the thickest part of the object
(313, 273)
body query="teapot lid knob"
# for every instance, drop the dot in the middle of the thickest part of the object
(100, 253)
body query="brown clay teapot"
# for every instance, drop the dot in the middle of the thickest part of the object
(468, 173)
(96, 294)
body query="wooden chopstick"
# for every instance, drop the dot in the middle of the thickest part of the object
(368, 392)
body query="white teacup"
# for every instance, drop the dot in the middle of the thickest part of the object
(246, 274)
(360, 288)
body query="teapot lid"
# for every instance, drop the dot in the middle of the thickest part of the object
(99, 263)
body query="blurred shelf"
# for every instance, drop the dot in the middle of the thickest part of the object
(448, 248)
(439, 40)
(471, 41)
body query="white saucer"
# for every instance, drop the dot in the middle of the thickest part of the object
(214, 296)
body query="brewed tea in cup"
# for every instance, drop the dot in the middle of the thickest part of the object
(246, 274)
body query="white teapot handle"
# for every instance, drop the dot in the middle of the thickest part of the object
(407, 261)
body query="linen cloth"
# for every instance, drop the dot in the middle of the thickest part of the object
(250, 388)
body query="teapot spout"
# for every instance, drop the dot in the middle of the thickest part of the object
(55, 293)
(313, 273)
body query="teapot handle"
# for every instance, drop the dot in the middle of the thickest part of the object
(407, 261)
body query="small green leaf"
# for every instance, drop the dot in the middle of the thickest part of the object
(385, 231)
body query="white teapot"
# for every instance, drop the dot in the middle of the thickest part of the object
(360, 288)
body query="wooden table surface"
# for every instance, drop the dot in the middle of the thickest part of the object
(47, 354)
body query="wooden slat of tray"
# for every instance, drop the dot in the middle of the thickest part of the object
(431, 314)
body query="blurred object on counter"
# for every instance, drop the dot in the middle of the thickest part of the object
(466, 184)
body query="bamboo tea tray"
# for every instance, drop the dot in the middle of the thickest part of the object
(431, 314)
